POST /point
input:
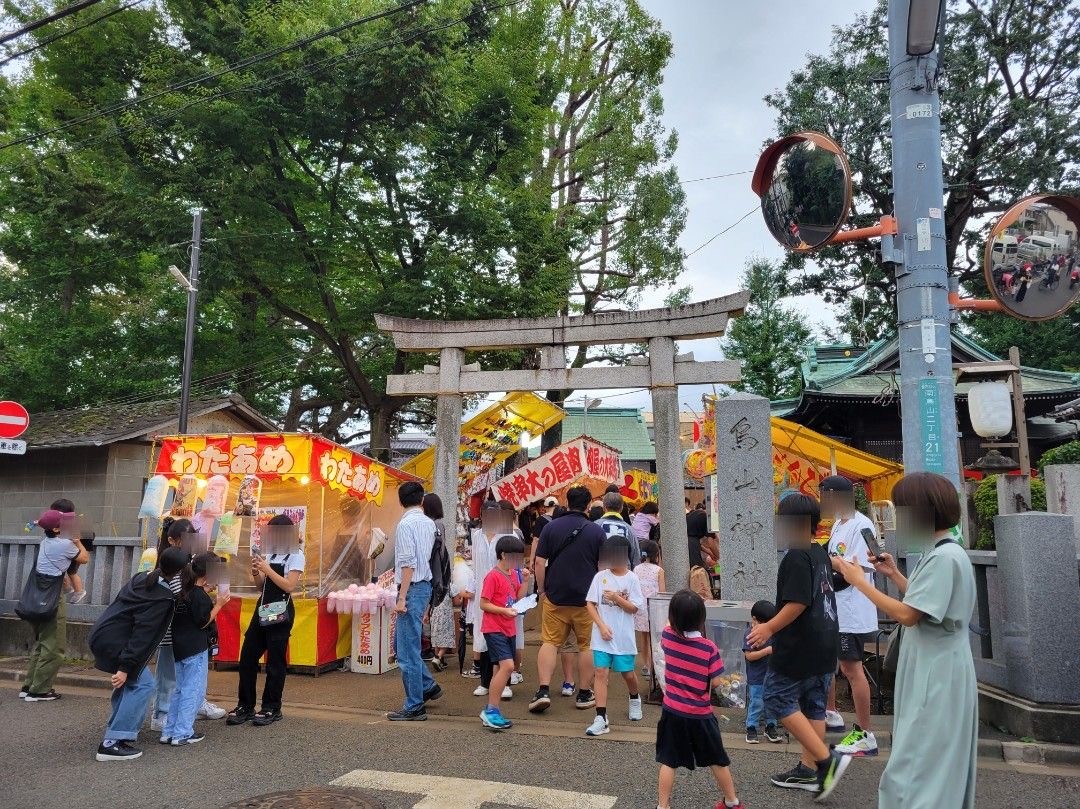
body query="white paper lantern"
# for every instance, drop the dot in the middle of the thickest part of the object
(990, 408)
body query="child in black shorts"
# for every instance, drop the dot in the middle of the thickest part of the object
(78, 592)
(688, 734)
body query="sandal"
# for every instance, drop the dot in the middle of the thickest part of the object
(239, 715)
(263, 718)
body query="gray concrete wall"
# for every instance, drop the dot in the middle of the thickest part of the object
(29, 483)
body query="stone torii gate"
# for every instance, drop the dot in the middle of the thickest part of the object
(662, 372)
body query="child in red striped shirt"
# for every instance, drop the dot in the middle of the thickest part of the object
(688, 734)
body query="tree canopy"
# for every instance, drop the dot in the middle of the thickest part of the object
(769, 338)
(446, 160)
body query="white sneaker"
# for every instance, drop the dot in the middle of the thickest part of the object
(568, 689)
(834, 722)
(507, 693)
(516, 678)
(635, 710)
(210, 711)
(157, 725)
(480, 691)
(77, 598)
(598, 728)
(858, 743)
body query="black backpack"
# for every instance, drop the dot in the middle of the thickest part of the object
(440, 570)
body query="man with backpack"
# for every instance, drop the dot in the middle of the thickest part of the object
(567, 556)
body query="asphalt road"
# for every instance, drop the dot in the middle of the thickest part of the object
(48, 761)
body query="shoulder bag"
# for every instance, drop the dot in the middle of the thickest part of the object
(275, 613)
(40, 597)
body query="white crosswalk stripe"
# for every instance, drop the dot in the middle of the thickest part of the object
(465, 793)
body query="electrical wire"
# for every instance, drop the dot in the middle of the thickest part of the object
(56, 16)
(49, 40)
(715, 236)
(716, 177)
(243, 63)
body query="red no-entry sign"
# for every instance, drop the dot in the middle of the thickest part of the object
(14, 419)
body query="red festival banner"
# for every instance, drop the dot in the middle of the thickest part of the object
(558, 469)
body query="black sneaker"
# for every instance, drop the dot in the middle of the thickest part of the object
(801, 777)
(118, 751)
(194, 738)
(47, 696)
(433, 694)
(773, 735)
(751, 736)
(541, 701)
(267, 718)
(418, 715)
(585, 700)
(829, 774)
(239, 715)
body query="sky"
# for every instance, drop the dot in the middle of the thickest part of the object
(726, 56)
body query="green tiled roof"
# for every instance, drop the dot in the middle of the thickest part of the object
(845, 370)
(620, 427)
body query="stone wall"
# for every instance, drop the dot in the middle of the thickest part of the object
(29, 483)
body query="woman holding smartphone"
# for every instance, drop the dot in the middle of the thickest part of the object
(277, 576)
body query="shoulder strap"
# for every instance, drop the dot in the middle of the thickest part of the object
(566, 544)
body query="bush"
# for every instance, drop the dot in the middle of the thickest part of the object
(986, 508)
(1066, 453)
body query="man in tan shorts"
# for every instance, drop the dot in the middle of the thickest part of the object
(566, 559)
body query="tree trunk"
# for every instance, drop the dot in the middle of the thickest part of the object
(379, 446)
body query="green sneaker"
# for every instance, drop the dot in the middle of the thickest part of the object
(830, 773)
(858, 743)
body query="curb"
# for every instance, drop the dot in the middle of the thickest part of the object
(1039, 753)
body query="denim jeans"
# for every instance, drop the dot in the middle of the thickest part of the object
(129, 705)
(785, 695)
(165, 674)
(191, 673)
(755, 707)
(414, 674)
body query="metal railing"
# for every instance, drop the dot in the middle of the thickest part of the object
(112, 562)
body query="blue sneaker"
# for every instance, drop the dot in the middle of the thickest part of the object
(493, 718)
(568, 689)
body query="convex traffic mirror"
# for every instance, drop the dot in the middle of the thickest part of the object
(805, 187)
(1032, 257)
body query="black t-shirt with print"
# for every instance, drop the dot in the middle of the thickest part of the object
(808, 646)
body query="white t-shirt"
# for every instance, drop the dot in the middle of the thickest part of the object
(856, 612)
(292, 561)
(623, 640)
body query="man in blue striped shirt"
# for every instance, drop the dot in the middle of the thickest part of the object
(413, 541)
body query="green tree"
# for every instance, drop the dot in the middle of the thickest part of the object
(768, 338)
(403, 166)
(1010, 101)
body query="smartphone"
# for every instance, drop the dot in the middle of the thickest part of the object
(872, 542)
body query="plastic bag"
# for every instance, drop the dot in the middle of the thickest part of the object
(154, 496)
(187, 494)
(213, 504)
(247, 498)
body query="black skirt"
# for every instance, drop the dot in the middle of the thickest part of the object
(689, 741)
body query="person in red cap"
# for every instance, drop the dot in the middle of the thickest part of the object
(55, 555)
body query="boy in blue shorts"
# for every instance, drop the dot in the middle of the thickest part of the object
(500, 590)
(613, 599)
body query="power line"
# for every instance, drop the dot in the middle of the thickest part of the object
(67, 11)
(715, 236)
(243, 63)
(716, 177)
(49, 40)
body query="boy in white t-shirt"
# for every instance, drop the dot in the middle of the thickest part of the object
(614, 597)
(856, 614)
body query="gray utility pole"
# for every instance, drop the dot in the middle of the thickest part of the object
(189, 328)
(927, 394)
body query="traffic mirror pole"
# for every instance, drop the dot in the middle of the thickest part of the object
(927, 390)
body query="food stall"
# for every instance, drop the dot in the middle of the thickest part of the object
(345, 505)
(581, 462)
(639, 487)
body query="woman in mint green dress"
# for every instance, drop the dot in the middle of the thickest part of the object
(935, 696)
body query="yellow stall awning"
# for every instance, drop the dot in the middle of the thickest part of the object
(878, 474)
(491, 436)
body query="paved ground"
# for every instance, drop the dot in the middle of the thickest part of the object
(48, 762)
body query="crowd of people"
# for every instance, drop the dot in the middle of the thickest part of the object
(592, 568)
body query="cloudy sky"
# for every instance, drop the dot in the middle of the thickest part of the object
(727, 56)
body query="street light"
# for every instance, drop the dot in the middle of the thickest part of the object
(924, 22)
(588, 404)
